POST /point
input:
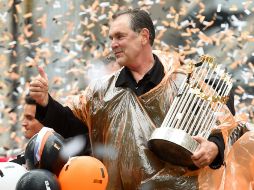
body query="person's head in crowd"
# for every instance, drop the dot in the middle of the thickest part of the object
(30, 124)
(43, 151)
(132, 35)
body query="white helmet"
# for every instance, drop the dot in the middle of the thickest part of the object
(10, 173)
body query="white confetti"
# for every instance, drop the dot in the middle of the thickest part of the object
(238, 23)
(200, 51)
(73, 53)
(78, 47)
(12, 43)
(19, 107)
(184, 23)
(105, 4)
(247, 12)
(160, 28)
(219, 8)
(19, 89)
(101, 17)
(29, 58)
(169, 16)
(58, 48)
(1, 105)
(56, 5)
(3, 16)
(225, 25)
(22, 80)
(83, 13)
(7, 51)
(164, 44)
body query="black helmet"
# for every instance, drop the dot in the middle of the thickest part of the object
(38, 179)
(43, 150)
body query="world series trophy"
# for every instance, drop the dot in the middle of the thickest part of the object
(193, 112)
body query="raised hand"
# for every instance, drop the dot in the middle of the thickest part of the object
(205, 153)
(38, 89)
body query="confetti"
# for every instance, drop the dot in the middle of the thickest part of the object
(219, 8)
(28, 15)
(247, 12)
(184, 23)
(105, 4)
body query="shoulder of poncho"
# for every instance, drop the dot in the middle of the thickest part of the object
(103, 83)
(170, 61)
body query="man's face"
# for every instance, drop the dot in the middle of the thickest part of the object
(30, 124)
(125, 43)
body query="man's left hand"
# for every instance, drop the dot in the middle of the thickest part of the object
(205, 153)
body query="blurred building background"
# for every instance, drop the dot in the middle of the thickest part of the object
(69, 38)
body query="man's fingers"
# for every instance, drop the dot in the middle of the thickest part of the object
(37, 89)
(198, 139)
(205, 153)
(35, 94)
(197, 155)
(39, 81)
(42, 73)
(198, 159)
(199, 152)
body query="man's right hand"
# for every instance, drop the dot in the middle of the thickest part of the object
(39, 88)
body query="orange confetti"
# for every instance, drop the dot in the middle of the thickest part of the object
(90, 25)
(233, 8)
(204, 38)
(240, 90)
(160, 34)
(28, 33)
(10, 3)
(95, 4)
(42, 21)
(18, 8)
(201, 18)
(208, 24)
(28, 15)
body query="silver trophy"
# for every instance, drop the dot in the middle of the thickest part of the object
(194, 112)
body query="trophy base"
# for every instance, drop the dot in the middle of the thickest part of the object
(173, 145)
